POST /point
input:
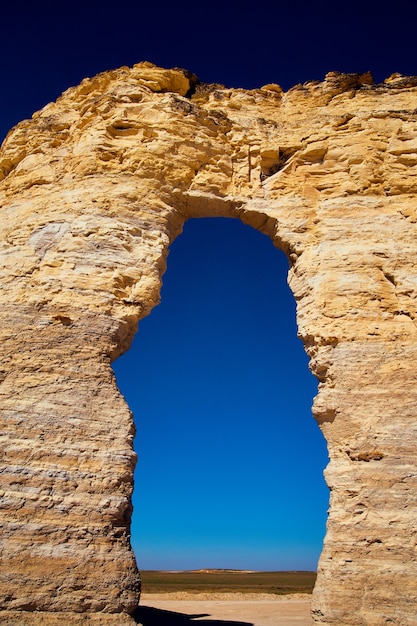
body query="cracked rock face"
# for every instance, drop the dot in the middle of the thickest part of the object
(93, 190)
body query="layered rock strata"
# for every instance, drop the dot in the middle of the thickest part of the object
(93, 190)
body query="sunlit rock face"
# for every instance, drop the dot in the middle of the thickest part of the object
(94, 189)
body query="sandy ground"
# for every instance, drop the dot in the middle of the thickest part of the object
(226, 609)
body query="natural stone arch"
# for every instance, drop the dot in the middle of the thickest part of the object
(219, 386)
(94, 189)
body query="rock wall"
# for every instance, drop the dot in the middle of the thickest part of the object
(93, 190)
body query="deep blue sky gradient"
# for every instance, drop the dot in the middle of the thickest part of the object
(48, 46)
(230, 459)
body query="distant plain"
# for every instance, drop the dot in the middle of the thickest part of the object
(227, 581)
(225, 598)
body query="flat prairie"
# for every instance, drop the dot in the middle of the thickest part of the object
(225, 598)
(228, 581)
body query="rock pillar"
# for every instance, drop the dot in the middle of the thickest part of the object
(93, 190)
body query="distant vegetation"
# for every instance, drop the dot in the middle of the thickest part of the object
(223, 581)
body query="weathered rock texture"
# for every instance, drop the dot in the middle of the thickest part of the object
(94, 189)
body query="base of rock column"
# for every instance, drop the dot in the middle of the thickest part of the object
(49, 618)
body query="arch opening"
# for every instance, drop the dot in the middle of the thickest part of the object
(230, 458)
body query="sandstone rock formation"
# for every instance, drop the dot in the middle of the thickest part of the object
(94, 189)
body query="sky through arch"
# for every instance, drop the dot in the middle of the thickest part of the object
(230, 458)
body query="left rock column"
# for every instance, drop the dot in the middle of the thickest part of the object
(67, 465)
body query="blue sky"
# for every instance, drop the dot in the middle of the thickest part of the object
(230, 459)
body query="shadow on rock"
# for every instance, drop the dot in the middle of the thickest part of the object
(148, 616)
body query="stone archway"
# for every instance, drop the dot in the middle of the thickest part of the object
(93, 190)
(219, 386)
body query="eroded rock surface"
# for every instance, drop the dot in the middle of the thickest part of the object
(94, 189)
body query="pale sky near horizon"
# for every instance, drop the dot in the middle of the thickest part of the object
(230, 458)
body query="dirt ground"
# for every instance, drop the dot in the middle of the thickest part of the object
(225, 609)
